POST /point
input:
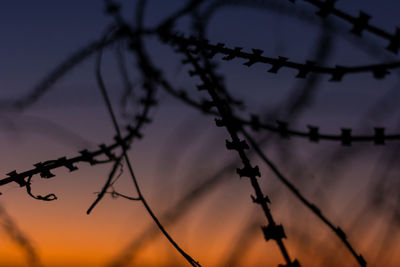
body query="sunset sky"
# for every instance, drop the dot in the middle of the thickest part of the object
(182, 148)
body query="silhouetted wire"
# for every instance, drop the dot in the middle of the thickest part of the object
(355, 254)
(78, 57)
(312, 207)
(337, 73)
(200, 32)
(282, 128)
(292, 108)
(340, 158)
(294, 104)
(343, 157)
(115, 194)
(48, 197)
(331, 175)
(106, 185)
(304, 15)
(337, 230)
(379, 111)
(271, 231)
(360, 23)
(116, 159)
(346, 137)
(138, 46)
(183, 205)
(302, 96)
(88, 50)
(127, 160)
(44, 168)
(277, 6)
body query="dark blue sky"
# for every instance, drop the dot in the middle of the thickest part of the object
(37, 36)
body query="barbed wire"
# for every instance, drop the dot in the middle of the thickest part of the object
(337, 73)
(150, 76)
(221, 100)
(183, 96)
(369, 46)
(272, 231)
(44, 168)
(336, 229)
(206, 108)
(359, 24)
(346, 138)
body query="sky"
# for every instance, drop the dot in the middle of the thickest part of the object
(182, 147)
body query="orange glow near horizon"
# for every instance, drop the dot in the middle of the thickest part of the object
(65, 236)
(182, 148)
(71, 238)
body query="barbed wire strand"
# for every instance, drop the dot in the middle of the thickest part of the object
(359, 24)
(337, 73)
(337, 230)
(138, 46)
(295, 191)
(272, 230)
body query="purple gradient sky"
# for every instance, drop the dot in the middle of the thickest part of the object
(36, 36)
